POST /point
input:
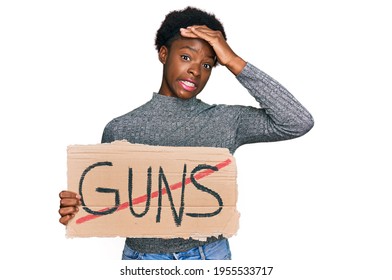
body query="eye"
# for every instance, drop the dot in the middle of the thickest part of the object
(207, 65)
(185, 57)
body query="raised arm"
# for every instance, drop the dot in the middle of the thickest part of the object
(280, 116)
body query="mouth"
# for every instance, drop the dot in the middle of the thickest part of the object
(188, 85)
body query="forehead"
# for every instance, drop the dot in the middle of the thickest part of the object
(197, 46)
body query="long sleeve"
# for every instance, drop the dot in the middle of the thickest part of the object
(170, 121)
(280, 116)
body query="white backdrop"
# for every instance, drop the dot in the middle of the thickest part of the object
(317, 207)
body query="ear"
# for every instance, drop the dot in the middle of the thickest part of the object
(163, 53)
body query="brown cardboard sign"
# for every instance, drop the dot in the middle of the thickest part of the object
(133, 190)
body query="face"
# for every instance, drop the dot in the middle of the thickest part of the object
(187, 66)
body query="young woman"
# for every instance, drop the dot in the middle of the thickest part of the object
(190, 43)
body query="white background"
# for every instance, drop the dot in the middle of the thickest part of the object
(318, 207)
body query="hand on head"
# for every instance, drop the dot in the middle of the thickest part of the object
(225, 55)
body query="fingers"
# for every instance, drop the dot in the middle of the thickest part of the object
(64, 202)
(202, 32)
(186, 32)
(68, 198)
(69, 202)
(225, 55)
(214, 37)
(65, 219)
(67, 213)
(71, 210)
(68, 194)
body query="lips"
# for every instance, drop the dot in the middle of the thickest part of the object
(188, 85)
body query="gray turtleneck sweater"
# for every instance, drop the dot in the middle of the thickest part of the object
(170, 121)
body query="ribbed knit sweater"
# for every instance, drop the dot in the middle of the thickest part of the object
(170, 121)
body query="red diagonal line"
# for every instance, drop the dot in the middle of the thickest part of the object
(143, 198)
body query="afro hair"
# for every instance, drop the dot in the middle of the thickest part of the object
(170, 27)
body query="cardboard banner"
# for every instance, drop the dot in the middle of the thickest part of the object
(132, 190)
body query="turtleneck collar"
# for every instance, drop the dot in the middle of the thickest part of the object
(168, 102)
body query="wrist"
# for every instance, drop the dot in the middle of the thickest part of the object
(236, 65)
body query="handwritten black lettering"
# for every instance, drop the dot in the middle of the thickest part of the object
(130, 187)
(207, 190)
(177, 216)
(100, 190)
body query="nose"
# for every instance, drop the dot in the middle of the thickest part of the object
(194, 69)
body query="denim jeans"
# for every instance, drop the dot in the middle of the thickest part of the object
(218, 250)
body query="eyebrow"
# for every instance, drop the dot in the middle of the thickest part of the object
(195, 50)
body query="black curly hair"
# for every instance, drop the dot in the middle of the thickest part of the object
(170, 27)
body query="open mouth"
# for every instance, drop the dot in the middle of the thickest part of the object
(188, 85)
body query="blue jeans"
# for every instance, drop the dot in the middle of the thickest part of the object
(218, 250)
